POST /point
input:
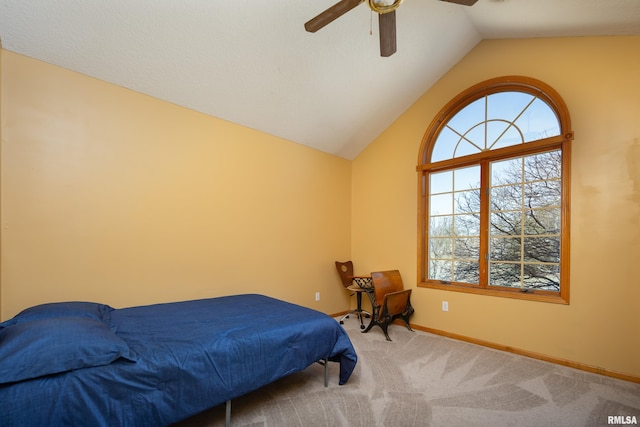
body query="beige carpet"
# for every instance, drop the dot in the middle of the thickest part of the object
(420, 379)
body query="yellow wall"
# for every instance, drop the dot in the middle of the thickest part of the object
(598, 79)
(112, 196)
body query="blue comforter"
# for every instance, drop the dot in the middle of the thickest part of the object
(162, 363)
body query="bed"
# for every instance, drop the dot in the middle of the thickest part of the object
(84, 363)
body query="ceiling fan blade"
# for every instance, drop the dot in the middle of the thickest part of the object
(387, 24)
(331, 14)
(462, 2)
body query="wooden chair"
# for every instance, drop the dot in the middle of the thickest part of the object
(390, 301)
(345, 270)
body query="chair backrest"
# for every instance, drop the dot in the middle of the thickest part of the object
(345, 269)
(386, 282)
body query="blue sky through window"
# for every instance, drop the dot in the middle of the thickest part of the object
(495, 121)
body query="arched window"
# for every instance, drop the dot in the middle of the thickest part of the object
(494, 192)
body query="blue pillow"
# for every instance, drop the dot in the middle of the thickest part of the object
(50, 346)
(90, 310)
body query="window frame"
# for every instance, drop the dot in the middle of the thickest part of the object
(560, 142)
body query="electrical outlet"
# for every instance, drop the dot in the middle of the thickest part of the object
(445, 306)
(317, 296)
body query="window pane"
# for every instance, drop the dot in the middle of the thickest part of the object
(466, 225)
(500, 134)
(506, 223)
(507, 105)
(506, 172)
(441, 270)
(440, 248)
(503, 274)
(444, 145)
(542, 276)
(467, 248)
(469, 116)
(441, 226)
(467, 178)
(466, 272)
(506, 198)
(542, 194)
(505, 249)
(538, 122)
(543, 166)
(467, 201)
(473, 142)
(542, 249)
(441, 204)
(500, 120)
(441, 182)
(542, 221)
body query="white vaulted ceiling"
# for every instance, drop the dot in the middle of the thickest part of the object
(251, 61)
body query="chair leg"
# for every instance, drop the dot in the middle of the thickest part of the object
(359, 312)
(406, 323)
(359, 302)
(370, 325)
(346, 316)
(385, 326)
(405, 316)
(373, 321)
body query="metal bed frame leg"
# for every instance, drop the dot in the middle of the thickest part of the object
(326, 373)
(325, 363)
(227, 420)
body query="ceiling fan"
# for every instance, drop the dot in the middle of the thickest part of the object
(386, 10)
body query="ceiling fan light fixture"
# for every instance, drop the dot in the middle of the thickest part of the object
(384, 6)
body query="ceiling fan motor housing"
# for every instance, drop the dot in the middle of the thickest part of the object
(384, 6)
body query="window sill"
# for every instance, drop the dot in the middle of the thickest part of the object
(541, 296)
